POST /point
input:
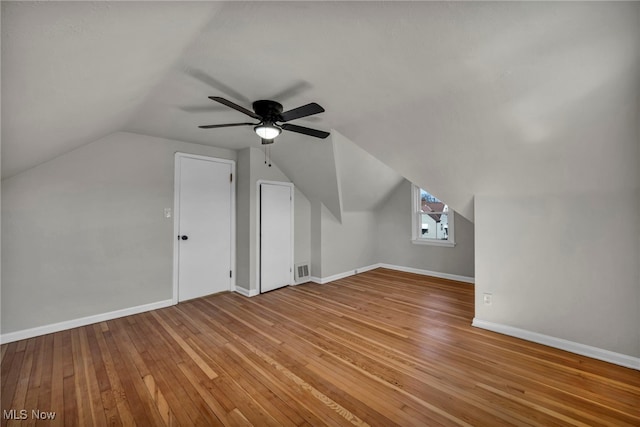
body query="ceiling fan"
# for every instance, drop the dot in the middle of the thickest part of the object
(269, 113)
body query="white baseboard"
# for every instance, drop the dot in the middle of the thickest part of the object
(323, 280)
(562, 344)
(253, 292)
(246, 292)
(83, 321)
(455, 277)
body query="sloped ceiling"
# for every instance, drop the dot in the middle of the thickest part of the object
(458, 97)
(365, 182)
(336, 172)
(311, 164)
(73, 72)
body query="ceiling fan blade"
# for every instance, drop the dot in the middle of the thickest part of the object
(305, 130)
(305, 110)
(235, 107)
(227, 125)
(218, 85)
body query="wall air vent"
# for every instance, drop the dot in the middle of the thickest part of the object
(302, 272)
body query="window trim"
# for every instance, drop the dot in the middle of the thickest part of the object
(416, 223)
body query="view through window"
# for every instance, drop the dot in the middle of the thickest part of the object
(432, 220)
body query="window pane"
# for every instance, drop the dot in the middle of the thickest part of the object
(425, 195)
(430, 219)
(434, 226)
(429, 203)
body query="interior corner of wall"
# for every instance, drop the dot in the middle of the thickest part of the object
(336, 210)
(325, 212)
(472, 209)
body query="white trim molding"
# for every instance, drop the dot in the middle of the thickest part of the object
(562, 344)
(246, 292)
(455, 277)
(323, 280)
(83, 321)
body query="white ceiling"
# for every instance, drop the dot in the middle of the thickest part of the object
(459, 97)
(73, 72)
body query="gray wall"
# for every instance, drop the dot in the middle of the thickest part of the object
(251, 169)
(394, 239)
(302, 228)
(384, 236)
(243, 219)
(348, 245)
(85, 233)
(316, 238)
(564, 265)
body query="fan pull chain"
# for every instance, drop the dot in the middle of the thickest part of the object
(267, 155)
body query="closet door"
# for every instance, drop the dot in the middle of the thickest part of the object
(276, 235)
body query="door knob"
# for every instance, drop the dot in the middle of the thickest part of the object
(184, 237)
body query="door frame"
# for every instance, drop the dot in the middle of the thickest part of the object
(176, 216)
(259, 231)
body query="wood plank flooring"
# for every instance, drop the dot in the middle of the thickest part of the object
(381, 348)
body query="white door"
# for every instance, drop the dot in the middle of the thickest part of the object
(204, 214)
(276, 236)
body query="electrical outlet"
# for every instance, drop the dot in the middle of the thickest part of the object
(167, 212)
(487, 299)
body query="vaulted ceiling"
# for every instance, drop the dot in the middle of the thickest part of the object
(459, 97)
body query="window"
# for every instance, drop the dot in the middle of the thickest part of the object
(432, 223)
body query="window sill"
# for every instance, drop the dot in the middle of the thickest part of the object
(443, 243)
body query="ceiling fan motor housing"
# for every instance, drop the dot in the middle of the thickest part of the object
(269, 110)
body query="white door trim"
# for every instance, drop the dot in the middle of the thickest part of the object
(258, 231)
(176, 216)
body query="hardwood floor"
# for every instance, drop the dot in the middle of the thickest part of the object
(381, 348)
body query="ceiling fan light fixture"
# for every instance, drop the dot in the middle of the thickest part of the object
(267, 130)
(268, 113)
